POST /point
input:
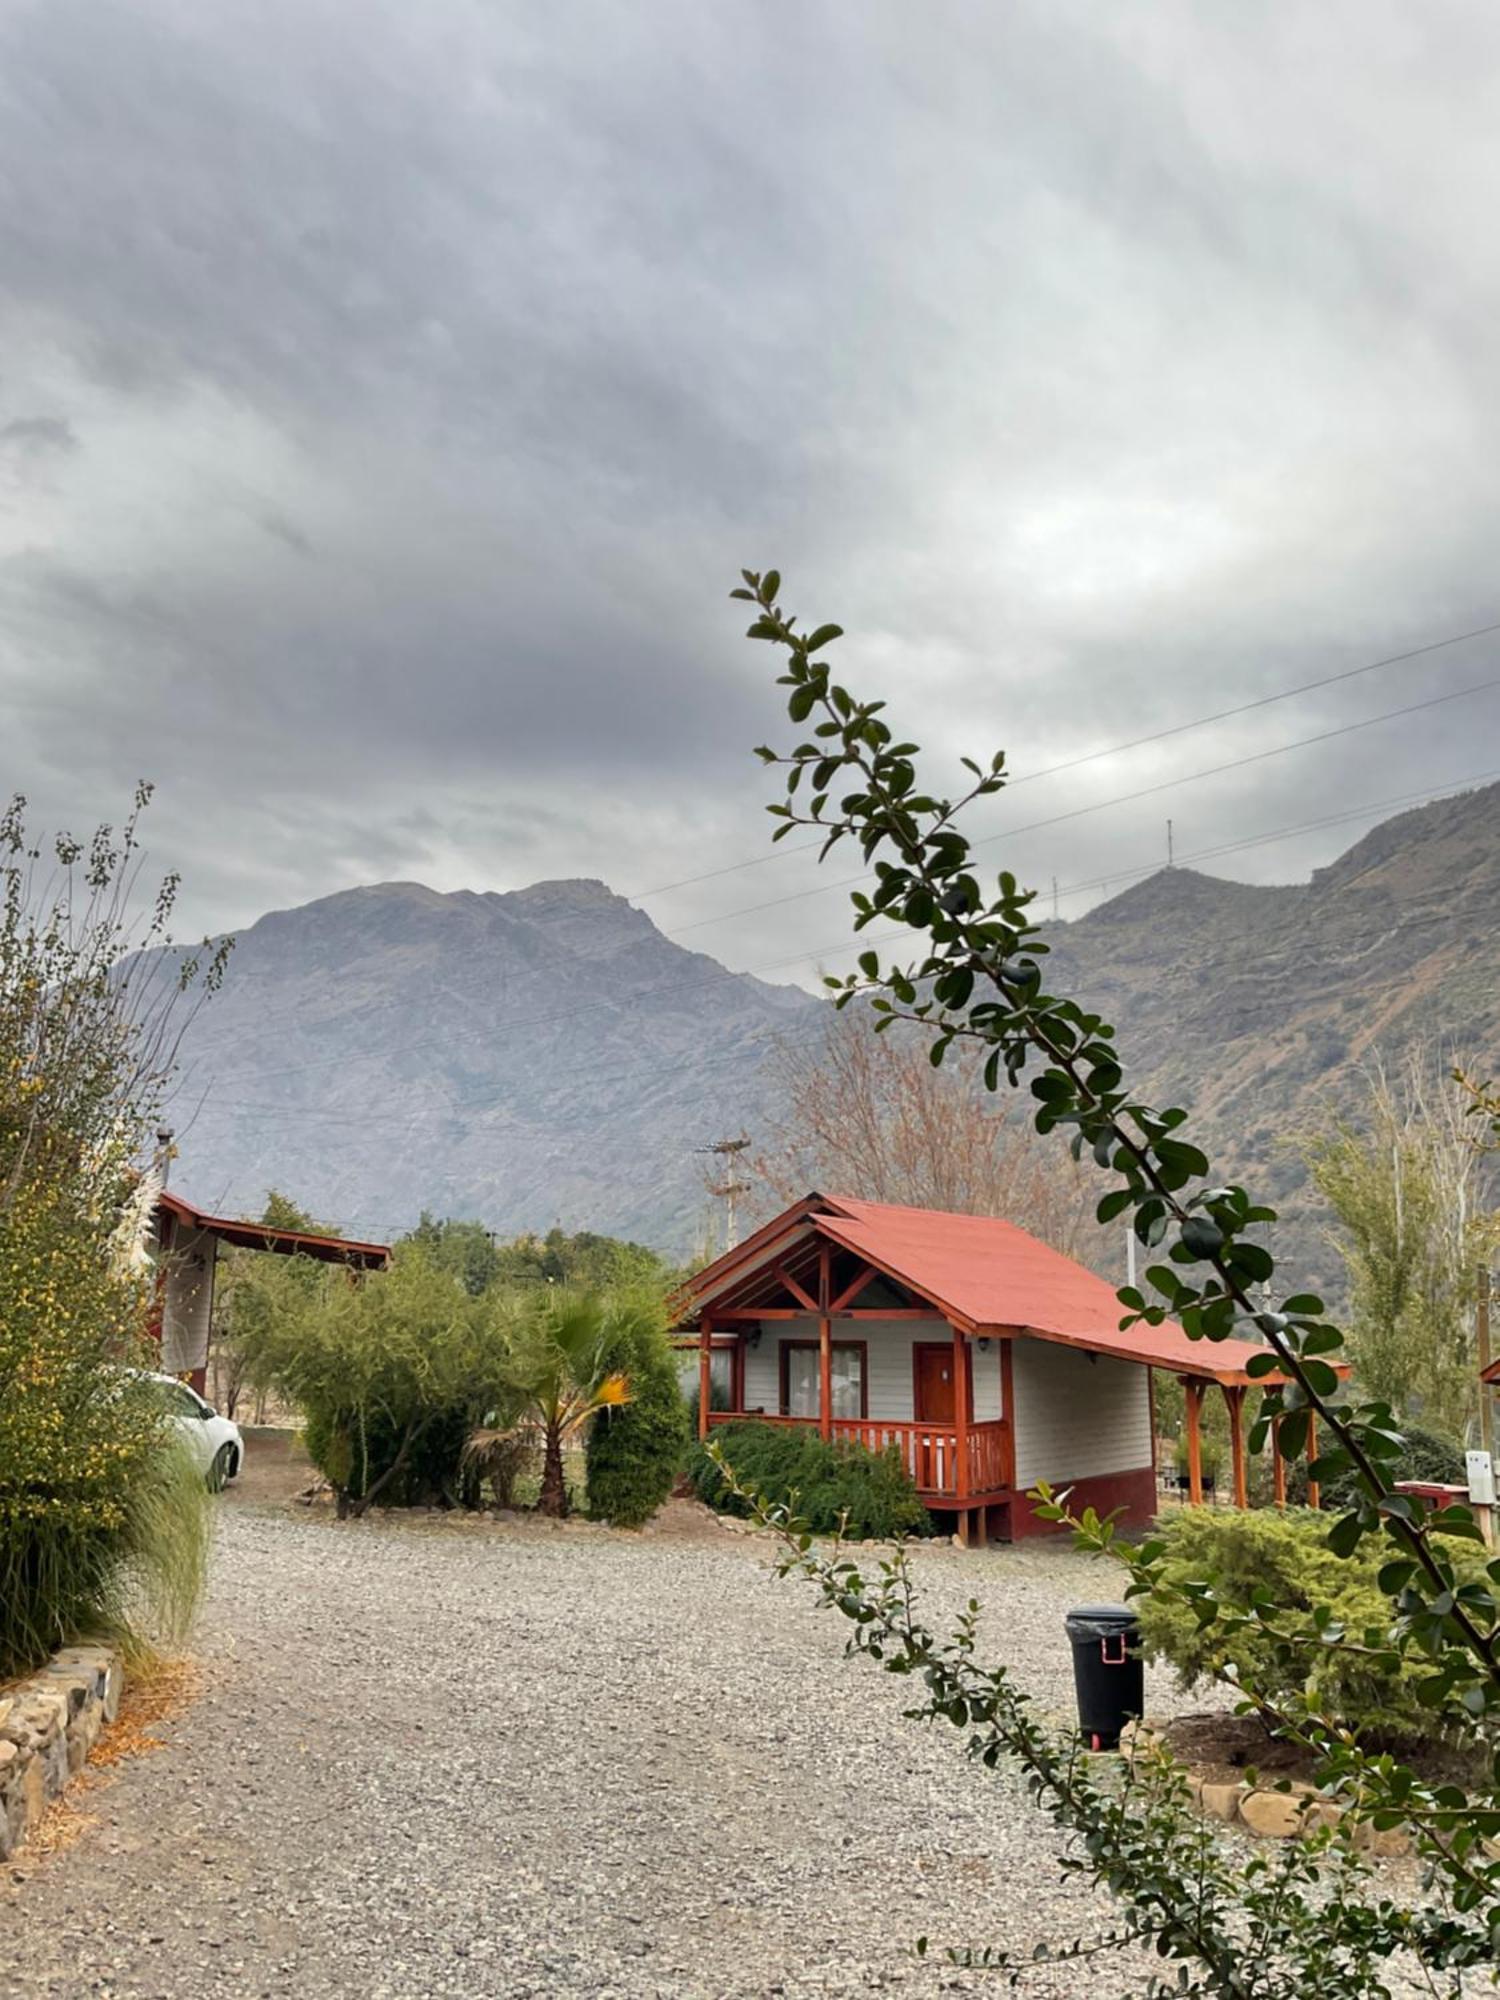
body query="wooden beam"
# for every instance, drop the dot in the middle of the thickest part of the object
(890, 1312)
(963, 1416)
(1234, 1402)
(1192, 1396)
(825, 1344)
(740, 1315)
(1314, 1497)
(1008, 1411)
(705, 1372)
(852, 1291)
(803, 1298)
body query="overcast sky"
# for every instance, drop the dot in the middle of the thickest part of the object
(389, 394)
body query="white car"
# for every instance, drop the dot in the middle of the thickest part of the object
(213, 1440)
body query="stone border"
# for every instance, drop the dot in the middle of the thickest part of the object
(48, 1726)
(1289, 1811)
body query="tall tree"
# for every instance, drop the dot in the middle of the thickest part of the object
(870, 1115)
(1412, 1198)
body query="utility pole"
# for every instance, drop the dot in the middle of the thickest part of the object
(1171, 861)
(1482, 1356)
(1054, 899)
(724, 1184)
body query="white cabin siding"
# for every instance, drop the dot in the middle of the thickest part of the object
(186, 1301)
(888, 1364)
(1078, 1415)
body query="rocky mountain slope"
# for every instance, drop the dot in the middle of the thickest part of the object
(528, 1058)
(549, 1056)
(1256, 1007)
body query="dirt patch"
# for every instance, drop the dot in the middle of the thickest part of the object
(1221, 1747)
(152, 1697)
(275, 1468)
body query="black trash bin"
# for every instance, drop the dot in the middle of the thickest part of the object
(1107, 1670)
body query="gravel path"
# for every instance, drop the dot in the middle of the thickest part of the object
(448, 1758)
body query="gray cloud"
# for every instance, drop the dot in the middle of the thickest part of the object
(391, 394)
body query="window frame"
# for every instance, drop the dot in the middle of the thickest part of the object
(785, 1349)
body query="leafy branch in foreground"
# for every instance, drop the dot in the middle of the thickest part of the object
(979, 978)
(1295, 1920)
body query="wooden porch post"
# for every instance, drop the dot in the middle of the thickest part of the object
(825, 1344)
(1314, 1497)
(705, 1372)
(1008, 1411)
(1278, 1465)
(963, 1413)
(1234, 1400)
(1192, 1390)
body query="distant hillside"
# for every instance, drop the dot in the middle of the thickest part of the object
(1255, 1006)
(549, 1056)
(528, 1058)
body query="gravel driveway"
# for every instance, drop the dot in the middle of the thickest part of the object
(455, 1758)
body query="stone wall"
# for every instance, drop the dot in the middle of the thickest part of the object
(48, 1725)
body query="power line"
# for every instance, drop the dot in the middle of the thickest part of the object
(1105, 805)
(1051, 770)
(849, 881)
(847, 942)
(1116, 749)
(987, 840)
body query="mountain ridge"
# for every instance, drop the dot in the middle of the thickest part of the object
(546, 1053)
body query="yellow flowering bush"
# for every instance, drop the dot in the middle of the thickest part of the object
(100, 1527)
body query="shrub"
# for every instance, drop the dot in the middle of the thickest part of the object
(1425, 1454)
(99, 1532)
(637, 1450)
(391, 1374)
(1286, 1555)
(829, 1480)
(365, 1459)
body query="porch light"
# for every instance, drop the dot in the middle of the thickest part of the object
(752, 1338)
(983, 1343)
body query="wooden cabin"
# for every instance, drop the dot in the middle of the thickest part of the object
(988, 1360)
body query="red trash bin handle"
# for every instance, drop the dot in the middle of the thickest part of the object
(1112, 1659)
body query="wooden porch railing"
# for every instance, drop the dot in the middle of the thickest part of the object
(928, 1451)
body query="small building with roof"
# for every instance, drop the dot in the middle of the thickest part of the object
(989, 1361)
(184, 1247)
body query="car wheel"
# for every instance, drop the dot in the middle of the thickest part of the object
(221, 1469)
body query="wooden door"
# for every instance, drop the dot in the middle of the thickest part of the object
(933, 1386)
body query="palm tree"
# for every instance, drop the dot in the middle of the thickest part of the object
(561, 1381)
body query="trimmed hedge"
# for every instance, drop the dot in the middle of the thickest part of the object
(636, 1452)
(873, 1488)
(1287, 1555)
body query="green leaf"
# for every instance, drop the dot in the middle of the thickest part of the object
(1319, 1377)
(1346, 1534)
(770, 584)
(824, 636)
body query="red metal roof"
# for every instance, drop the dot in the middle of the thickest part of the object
(288, 1242)
(986, 1276)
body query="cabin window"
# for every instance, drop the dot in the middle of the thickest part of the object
(721, 1383)
(799, 1379)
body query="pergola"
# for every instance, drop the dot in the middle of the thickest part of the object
(187, 1239)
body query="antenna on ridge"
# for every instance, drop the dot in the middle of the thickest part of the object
(1054, 899)
(1171, 863)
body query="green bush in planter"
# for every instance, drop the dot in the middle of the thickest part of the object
(1287, 1555)
(872, 1487)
